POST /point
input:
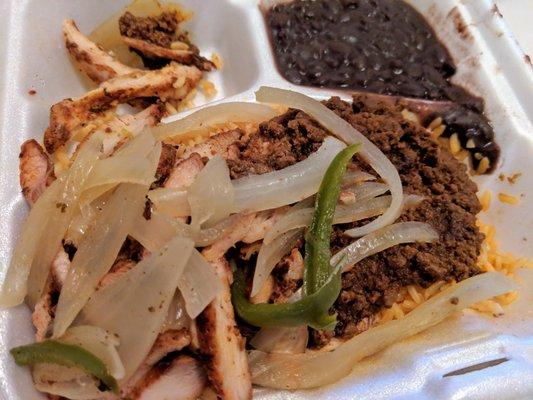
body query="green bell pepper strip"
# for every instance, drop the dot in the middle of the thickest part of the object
(310, 310)
(54, 352)
(323, 285)
(317, 240)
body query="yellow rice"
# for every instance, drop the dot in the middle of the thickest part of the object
(491, 258)
(508, 199)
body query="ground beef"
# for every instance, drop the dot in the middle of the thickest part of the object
(425, 168)
(279, 142)
(450, 206)
(160, 30)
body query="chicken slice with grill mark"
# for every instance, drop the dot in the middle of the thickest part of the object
(167, 342)
(42, 316)
(219, 144)
(233, 235)
(132, 123)
(36, 173)
(91, 59)
(43, 313)
(172, 82)
(184, 172)
(221, 341)
(60, 267)
(36, 170)
(183, 378)
(182, 56)
(263, 222)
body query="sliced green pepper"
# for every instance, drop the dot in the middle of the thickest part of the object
(321, 285)
(317, 241)
(310, 310)
(54, 352)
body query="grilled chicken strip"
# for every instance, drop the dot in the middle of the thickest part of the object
(42, 316)
(36, 170)
(182, 56)
(171, 82)
(222, 343)
(235, 234)
(60, 267)
(182, 379)
(218, 144)
(92, 60)
(133, 123)
(167, 342)
(263, 222)
(184, 172)
(43, 313)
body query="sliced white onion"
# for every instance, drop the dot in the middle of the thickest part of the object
(120, 169)
(270, 254)
(356, 176)
(208, 236)
(211, 195)
(159, 229)
(177, 317)
(137, 320)
(59, 218)
(288, 185)
(198, 284)
(377, 241)
(315, 368)
(98, 342)
(97, 252)
(208, 116)
(90, 195)
(366, 190)
(15, 285)
(342, 129)
(344, 213)
(172, 202)
(139, 146)
(81, 223)
(127, 165)
(291, 340)
(100, 247)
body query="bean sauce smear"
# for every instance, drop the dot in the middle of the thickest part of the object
(378, 46)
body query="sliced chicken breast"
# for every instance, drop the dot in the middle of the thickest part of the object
(222, 343)
(60, 267)
(167, 342)
(42, 317)
(184, 172)
(233, 235)
(218, 144)
(182, 56)
(36, 170)
(263, 222)
(171, 82)
(181, 379)
(92, 60)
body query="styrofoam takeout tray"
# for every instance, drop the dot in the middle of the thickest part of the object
(490, 63)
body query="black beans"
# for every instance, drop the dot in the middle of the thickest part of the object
(385, 38)
(380, 46)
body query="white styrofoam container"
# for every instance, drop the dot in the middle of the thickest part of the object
(490, 63)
